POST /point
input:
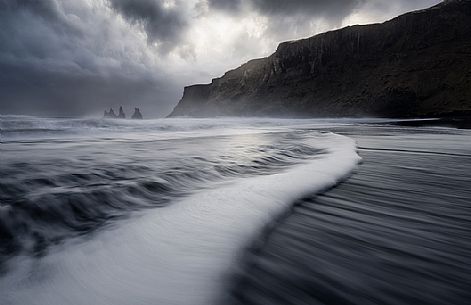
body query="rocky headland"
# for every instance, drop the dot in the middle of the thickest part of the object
(415, 65)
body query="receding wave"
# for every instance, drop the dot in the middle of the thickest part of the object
(194, 203)
(44, 204)
(396, 232)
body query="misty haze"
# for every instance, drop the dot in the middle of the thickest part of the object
(249, 152)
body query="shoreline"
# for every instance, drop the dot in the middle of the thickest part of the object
(376, 238)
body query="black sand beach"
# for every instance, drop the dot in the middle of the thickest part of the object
(398, 231)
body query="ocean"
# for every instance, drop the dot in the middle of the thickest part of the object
(229, 210)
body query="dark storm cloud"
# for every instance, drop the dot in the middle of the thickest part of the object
(163, 25)
(64, 62)
(307, 7)
(46, 8)
(227, 5)
(333, 8)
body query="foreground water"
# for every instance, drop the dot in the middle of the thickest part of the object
(122, 212)
(159, 211)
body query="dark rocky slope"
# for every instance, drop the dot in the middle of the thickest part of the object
(418, 64)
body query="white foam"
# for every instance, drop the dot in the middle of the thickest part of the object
(178, 254)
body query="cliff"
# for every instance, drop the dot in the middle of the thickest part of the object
(417, 64)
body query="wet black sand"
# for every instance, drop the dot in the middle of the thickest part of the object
(398, 231)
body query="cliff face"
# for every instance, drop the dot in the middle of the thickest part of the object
(418, 64)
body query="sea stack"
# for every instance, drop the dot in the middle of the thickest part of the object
(121, 114)
(110, 114)
(137, 114)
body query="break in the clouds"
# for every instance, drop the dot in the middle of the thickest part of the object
(78, 57)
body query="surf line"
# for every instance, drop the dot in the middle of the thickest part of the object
(180, 254)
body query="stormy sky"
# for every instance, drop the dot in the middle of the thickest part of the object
(76, 57)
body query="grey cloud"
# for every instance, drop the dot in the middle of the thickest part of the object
(227, 5)
(292, 19)
(46, 8)
(307, 7)
(335, 8)
(162, 25)
(324, 8)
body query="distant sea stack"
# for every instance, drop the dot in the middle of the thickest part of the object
(137, 114)
(121, 114)
(415, 65)
(110, 114)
